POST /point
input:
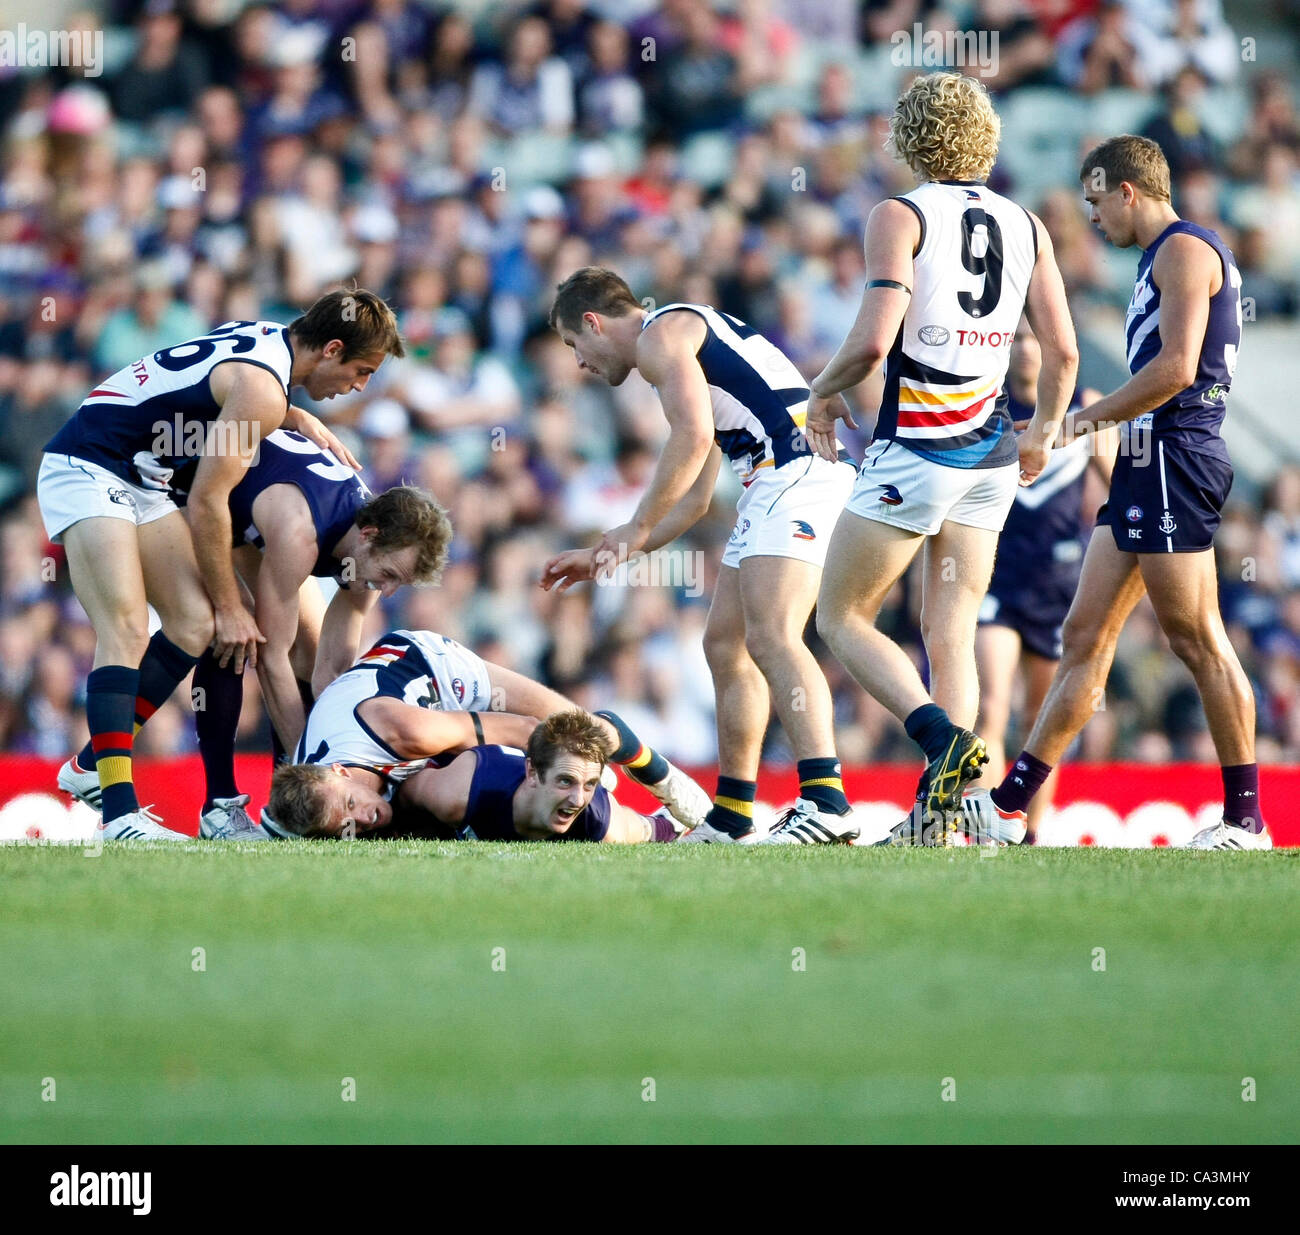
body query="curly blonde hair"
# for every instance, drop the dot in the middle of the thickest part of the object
(944, 128)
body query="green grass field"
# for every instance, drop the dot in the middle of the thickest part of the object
(621, 966)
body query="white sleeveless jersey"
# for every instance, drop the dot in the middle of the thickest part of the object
(417, 667)
(945, 373)
(760, 400)
(147, 419)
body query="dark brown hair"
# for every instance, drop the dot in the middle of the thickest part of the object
(592, 289)
(359, 319)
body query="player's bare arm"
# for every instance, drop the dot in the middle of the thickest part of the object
(626, 827)
(1048, 312)
(666, 357)
(415, 733)
(340, 635)
(892, 236)
(314, 429)
(252, 406)
(579, 565)
(290, 555)
(1187, 272)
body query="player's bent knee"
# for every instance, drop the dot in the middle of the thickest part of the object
(1193, 646)
(193, 633)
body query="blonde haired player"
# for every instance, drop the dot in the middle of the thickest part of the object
(951, 267)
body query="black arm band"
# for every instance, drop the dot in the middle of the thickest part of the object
(902, 287)
(478, 728)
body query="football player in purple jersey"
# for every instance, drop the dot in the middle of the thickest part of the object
(1170, 480)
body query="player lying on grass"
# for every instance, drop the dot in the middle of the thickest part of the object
(297, 513)
(725, 389)
(105, 493)
(417, 695)
(550, 793)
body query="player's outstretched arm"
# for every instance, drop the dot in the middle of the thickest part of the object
(252, 406)
(1048, 311)
(1185, 271)
(417, 733)
(626, 827)
(579, 565)
(666, 358)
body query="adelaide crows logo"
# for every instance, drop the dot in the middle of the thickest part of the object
(803, 530)
(891, 496)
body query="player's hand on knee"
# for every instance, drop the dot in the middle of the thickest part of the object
(566, 569)
(819, 426)
(236, 639)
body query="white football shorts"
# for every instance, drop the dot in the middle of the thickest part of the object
(70, 489)
(897, 486)
(790, 511)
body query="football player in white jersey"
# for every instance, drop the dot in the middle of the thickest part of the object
(727, 390)
(951, 266)
(104, 490)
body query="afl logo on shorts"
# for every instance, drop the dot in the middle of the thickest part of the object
(458, 688)
(1133, 514)
(933, 336)
(803, 530)
(1167, 523)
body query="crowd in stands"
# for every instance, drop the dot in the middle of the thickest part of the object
(235, 159)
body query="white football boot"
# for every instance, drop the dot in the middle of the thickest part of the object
(227, 819)
(805, 824)
(1224, 835)
(140, 824)
(75, 781)
(704, 833)
(986, 823)
(685, 800)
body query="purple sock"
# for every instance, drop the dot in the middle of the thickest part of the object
(1024, 778)
(664, 831)
(1241, 796)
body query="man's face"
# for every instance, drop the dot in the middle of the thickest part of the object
(596, 351)
(383, 571)
(1109, 213)
(564, 792)
(333, 376)
(351, 807)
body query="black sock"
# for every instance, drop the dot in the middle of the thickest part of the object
(819, 782)
(218, 701)
(1241, 796)
(641, 762)
(733, 805)
(930, 728)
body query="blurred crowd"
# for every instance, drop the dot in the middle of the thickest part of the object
(235, 159)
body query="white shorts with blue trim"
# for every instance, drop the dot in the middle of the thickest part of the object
(70, 489)
(790, 511)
